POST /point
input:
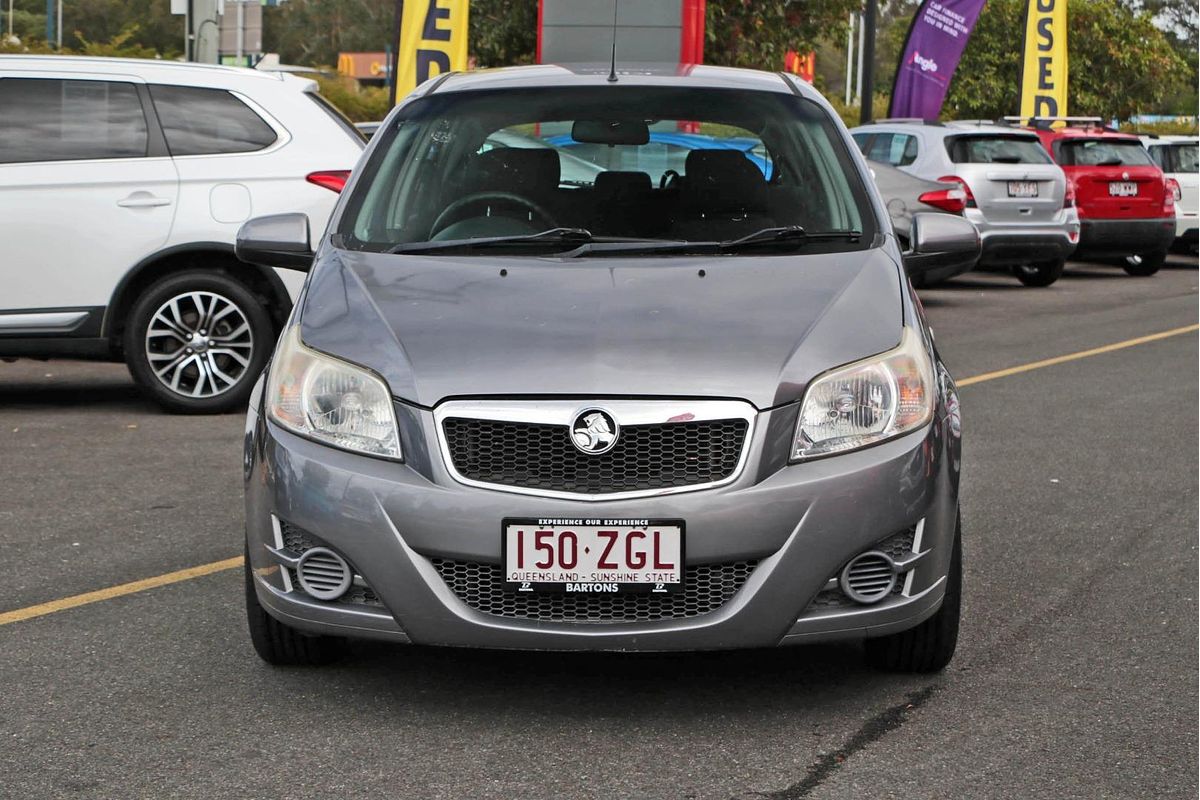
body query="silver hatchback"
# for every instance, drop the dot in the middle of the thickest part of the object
(660, 409)
(1017, 196)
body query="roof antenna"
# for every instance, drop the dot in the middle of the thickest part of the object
(612, 72)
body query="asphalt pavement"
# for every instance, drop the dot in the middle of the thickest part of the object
(1076, 675)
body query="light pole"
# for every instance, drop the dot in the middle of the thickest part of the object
(867, 71)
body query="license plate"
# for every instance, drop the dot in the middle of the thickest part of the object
(594, 556)
(1022, 189)
(1122, 189)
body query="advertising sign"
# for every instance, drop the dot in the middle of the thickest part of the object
(802, 64)
(935, 43)
(1044, 64)
(433, 40)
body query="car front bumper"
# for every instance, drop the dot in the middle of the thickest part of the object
(800, 523)
(1126, 237)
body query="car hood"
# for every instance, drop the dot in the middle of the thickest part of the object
(755, 328)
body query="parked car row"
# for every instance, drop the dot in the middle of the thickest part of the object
(1059, 187)
(125, 181)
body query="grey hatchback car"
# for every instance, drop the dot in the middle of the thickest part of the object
(664, 410)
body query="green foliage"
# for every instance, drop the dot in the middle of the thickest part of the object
(850, 113)
(1120, 63)
(142, 26)
(1182, 125)
(312, 32)
(503, 32)
(359, 103)
(120, 46)
(757, 33)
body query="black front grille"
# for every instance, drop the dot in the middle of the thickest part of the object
(706, 587)
(535, 456)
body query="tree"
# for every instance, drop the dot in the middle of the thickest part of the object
(1121, 63)
(313, 32)
(757, 33)
(503, 32)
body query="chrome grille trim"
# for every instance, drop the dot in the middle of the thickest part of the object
(625, 412)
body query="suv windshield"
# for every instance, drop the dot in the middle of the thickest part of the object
(635, 165)
(1103, 153)
(996, 149)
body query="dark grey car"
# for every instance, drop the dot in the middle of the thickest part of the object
(669, 410)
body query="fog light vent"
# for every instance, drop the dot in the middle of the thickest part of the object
(869, 578)
(323, 573)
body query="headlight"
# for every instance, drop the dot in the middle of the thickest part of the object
(330, 401)
(867, 402)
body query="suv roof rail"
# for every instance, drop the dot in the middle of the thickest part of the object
(906, 120)
(1044, 123)
(1002, 122)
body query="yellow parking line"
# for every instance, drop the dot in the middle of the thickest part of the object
(1095, 351)
(21, 614)
(133, 587)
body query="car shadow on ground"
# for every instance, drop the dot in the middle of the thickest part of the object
(610, 684)
(65, 392)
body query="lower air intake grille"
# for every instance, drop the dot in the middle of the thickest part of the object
(706, 587)
(869, 577)
(899, 547)
(323, 573)
(300, 541)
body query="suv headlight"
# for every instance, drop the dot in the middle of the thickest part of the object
(866, 402)
(330, 401)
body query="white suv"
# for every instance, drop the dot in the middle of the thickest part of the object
(122, 185)
(1176, 156)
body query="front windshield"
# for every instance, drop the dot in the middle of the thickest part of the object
(642, 163)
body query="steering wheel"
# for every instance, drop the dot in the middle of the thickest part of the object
(668, 179)
(454, 212)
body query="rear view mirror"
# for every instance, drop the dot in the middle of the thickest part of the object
(278, 240)
(613, 131)
(940, 240)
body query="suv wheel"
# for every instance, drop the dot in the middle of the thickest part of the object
(281, 645)
(1145, 264)
(197, 341)
(1040, 273)
(928, 647)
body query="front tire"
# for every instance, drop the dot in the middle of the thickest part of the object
(1041, 273)
(928, 647)
(281, 645)
(197, 341)
(1144, 265)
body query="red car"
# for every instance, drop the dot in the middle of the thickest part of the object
(1126, 208)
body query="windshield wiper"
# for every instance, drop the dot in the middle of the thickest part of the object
(551, 236)
(789, 235)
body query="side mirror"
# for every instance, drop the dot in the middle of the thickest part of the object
(278, 240)
(941, 241)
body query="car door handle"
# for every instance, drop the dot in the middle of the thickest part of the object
(143, 200)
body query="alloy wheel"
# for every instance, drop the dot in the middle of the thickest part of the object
(199, 344)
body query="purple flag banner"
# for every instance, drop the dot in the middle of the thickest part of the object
(935, 43)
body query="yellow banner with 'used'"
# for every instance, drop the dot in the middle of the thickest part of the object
(1044, 64)
(433, 40)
